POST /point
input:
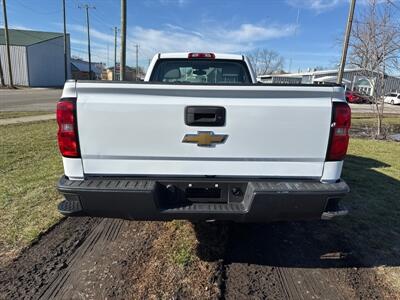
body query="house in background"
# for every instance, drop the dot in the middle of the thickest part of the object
(37, 58)
(130, 74)
(80, 69)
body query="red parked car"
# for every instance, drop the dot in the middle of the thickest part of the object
(354, 97)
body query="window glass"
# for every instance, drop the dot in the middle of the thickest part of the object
(200, 71)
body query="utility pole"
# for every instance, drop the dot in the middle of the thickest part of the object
(295, 36)
(108, 55)
(346, 42)
(11, 84)
(137, 62)
(123, 41)
(115, 53)
(1, 75)
(87, 7)
(65, 43)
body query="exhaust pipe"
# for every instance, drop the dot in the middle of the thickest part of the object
(333, 210)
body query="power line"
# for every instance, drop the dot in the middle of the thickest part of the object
(393, 4)
(101, 58)
(87, 7)
(98, 58)
(378, 25)
(23, 4)
(99, 20)
(57, 44)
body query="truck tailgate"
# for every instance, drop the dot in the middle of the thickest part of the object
(137, 129)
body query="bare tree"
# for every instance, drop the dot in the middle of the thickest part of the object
(320, 68)
(265, 61)
(375, 48)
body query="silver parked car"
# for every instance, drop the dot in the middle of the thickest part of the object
(392, 98)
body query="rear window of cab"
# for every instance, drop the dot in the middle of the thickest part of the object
(201, 71)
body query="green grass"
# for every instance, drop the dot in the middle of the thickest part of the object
(363, 124)
(29, 168)
(182, 249)
(369, 119)
(17, 114)
(372, 170)
(183, 254)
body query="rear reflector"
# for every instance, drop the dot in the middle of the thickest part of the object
(67, 128)
(202, 55)
(340, 131)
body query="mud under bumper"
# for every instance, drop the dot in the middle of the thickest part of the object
(202, 199)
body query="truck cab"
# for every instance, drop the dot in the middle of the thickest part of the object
(205, 68)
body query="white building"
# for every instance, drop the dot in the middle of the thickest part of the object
(37, 58)
(353, 79)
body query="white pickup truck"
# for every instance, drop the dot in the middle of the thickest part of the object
(200, 139)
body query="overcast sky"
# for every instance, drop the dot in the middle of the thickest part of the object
(306, 33)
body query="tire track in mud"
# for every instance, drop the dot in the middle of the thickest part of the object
(93, 258)
(64, 285)
(79, 258)
(294, 261)
(35, 267)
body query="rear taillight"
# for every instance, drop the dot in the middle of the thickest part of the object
(67, 128)
(202, 55)
(340, 131)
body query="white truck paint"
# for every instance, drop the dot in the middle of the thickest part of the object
(145, 129)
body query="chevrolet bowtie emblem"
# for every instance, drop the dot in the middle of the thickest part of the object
(205, 138)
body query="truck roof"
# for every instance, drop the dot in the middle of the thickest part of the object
(185, 55)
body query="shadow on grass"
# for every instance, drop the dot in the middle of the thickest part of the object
(369, 236)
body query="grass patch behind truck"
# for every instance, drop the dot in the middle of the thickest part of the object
(19, 114)
(365, 124)
(372, 170)
(30, 165)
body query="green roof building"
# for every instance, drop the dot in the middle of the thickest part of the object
(37, 57)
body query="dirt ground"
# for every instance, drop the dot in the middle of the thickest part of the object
(296, 261)
(90, 258)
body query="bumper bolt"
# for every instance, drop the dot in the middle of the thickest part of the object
(237, 191)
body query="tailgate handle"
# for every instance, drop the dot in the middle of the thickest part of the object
(205, 116)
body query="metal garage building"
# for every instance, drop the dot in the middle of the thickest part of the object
(353, 79)
(37, 57)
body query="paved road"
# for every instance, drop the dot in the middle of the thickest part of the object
(45, 100)
(29, 99)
